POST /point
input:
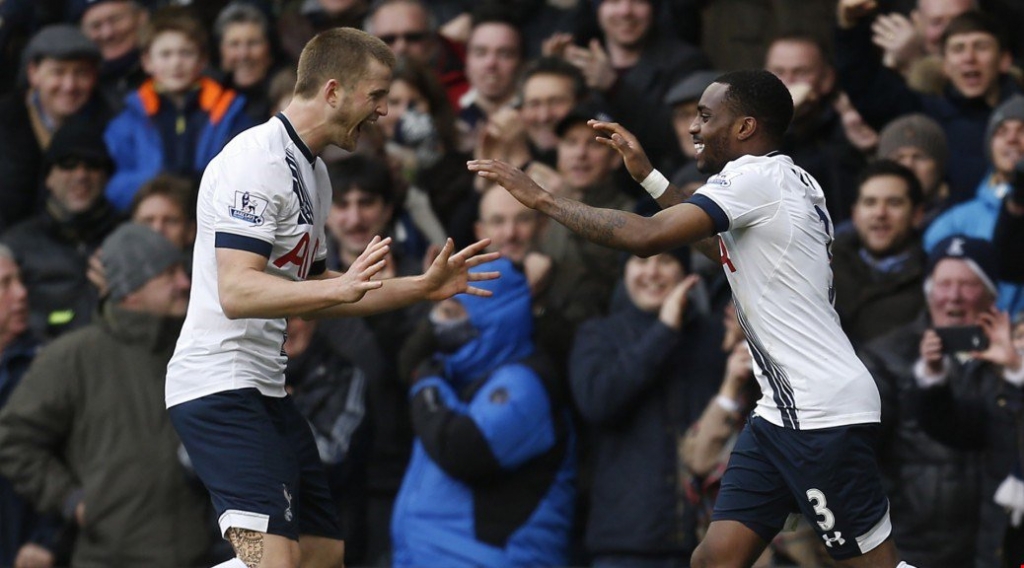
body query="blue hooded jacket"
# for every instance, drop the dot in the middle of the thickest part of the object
(491, 478)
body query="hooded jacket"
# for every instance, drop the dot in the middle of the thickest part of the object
(491, 478)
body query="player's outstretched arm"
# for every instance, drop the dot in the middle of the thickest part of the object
(447, 276)
(633, 156)
(622, 230)
(247, 291)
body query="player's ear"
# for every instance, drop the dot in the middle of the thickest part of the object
(746, 126)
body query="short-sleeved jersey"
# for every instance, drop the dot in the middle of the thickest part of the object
(775, 240)
(264, 193)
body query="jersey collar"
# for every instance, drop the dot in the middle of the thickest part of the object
(295, 138)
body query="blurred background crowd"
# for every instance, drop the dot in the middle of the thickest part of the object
(587, 410)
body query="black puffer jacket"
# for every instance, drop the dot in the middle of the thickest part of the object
(936, 491)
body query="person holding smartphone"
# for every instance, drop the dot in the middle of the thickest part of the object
(985, 417)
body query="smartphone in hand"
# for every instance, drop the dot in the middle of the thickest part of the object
(956, 339)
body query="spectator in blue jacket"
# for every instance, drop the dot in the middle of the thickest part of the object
(491, 478)
(640, 377)
(977, 218)
(178, 120)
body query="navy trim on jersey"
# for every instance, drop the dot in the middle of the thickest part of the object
(238, 242)
(299, 189)
(782, 390)
(318, 267)
(295, 138)
(718, 217)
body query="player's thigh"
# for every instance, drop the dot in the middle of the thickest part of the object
(752, 506)
(834, 478)
(321, 552)
(884, 555)
(728, 544)
(262, 550)
(315, 504)
(237, 444)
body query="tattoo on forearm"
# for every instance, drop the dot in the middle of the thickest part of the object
(673, 196)
(594, 224)
(248, 546)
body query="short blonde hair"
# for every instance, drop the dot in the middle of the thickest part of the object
(339, 53)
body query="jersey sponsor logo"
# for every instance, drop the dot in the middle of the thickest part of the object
(301, 255)
(723, 255)
(248, 208)
(299, 189)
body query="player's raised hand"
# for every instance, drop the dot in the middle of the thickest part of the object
(511, 178)
(449, 274)
(849, 12)
(358, 279)
(625, 143)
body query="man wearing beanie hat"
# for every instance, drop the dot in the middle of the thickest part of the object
(919, 143)
(940, 406)
(977, 218)
(54, 246)
(86, 435)
(61, 68)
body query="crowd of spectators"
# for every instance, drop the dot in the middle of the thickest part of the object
(582, 416)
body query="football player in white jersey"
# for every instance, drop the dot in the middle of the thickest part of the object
(809, 446)
(259, 258)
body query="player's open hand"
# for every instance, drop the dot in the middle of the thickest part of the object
(359, 278)
(511, 178)
(626, 144)
(449, 274)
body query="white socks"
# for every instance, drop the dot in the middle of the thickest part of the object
(236, 563)
(900, 565)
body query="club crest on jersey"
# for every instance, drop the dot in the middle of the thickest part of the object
(248, 208)
(723, 179)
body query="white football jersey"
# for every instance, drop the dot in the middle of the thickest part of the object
(775, 239)
(265, 193)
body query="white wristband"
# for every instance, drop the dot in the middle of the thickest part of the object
(727, 404)
(655, 184)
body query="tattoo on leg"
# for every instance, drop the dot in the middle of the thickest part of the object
(248, 545)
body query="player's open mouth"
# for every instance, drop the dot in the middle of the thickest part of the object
(698, 147)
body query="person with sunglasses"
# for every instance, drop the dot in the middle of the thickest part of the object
(54, 246)
(409, 29)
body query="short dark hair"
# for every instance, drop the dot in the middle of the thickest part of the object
(179, 190)
(760, 94)
(364, 173)
(976, 21)
(560, 67)
(178, 19)
(488, 13)
(891, 168)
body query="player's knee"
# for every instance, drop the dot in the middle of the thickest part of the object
(704, 556)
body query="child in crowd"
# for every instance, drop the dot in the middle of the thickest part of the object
(179, 119)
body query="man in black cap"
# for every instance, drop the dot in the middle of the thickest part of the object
(937, 404)
(85, 433)
(60, 67)
(54, 246)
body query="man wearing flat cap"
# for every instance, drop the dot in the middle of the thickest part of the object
(60, 67)
(85, 433)
(940, 462)
(53, 247)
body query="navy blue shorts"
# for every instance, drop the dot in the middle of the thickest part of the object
(258, 459)
(829, 475)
